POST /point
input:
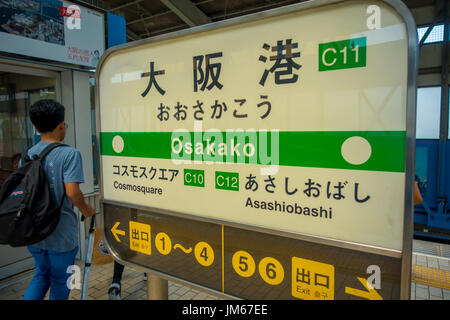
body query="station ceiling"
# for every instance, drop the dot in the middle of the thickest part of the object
(147, 18)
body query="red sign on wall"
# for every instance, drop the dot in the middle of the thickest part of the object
(69, 12)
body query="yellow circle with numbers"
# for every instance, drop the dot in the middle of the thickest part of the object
(243, 264)
(271, 271)
(204, 254)
(163, 243)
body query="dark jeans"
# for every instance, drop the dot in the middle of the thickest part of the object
(118, 271)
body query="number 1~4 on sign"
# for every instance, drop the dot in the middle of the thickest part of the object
(163, 243)
(204, 254)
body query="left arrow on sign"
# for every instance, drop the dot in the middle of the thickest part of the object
(116, 231)
(370, 294)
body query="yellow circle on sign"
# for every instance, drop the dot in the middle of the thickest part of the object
(243, 264)
(204, 254)
(163, 243)
(271, 271)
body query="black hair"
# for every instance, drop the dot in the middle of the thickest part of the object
(46, 115)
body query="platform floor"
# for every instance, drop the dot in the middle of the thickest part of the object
(430, 279)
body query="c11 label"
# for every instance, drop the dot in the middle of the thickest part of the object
(227, 180)
(194, 178)
(343, 54)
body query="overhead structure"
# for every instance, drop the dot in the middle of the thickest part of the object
(187, 11)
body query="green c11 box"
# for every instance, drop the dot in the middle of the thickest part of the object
(345, 54)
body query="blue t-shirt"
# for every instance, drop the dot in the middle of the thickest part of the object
(62, 165)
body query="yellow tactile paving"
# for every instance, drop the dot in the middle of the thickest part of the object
(431, 277)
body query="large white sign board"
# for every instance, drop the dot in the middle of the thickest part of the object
(295, 122)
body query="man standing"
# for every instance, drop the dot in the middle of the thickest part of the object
(64, 170)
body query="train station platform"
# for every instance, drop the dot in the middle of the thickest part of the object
(430, 279)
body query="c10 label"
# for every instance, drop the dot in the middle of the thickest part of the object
(227, 180)
(194, 178)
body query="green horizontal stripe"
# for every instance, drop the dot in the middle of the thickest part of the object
(318, 149)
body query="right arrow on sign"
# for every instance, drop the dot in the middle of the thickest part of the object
(370, 294)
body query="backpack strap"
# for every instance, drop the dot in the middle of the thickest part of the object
(44, 153)
(24, 156)
(49, 148)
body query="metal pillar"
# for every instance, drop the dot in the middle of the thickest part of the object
(157, 288)
(442, 161)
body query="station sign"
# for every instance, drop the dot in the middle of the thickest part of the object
(292, 122)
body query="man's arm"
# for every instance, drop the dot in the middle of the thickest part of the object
(75, 196)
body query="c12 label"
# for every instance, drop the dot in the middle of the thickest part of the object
(227, 180)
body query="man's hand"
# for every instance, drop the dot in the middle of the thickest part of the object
(76, 197)
(89, 212)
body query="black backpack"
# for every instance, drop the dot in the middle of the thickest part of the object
(27, 214)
